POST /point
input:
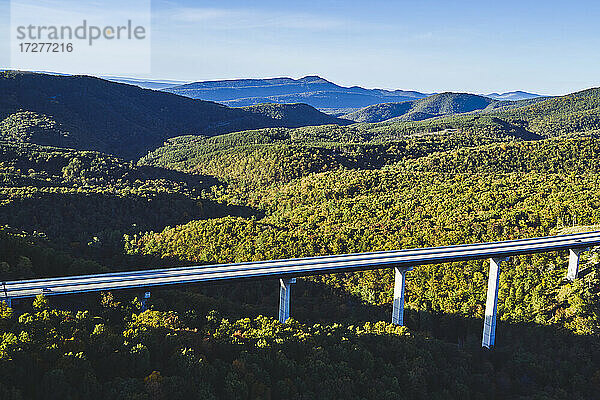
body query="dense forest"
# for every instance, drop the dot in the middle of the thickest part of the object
(443, 104)
(280, 192)
(429, 107)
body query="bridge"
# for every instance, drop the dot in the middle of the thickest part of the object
(288, 270)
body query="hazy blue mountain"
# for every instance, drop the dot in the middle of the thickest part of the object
(145, 83)
(516, 95)
(312, 90)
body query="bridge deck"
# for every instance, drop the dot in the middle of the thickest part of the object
(294, 267)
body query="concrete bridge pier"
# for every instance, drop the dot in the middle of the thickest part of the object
(285, 293)
(144, 300)
(399, 286)
(573, 270)
(6, 300)
(491, 304)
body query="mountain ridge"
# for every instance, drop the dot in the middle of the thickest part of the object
(441, 104)
(514, 95)
(312, 89)
(437, 105)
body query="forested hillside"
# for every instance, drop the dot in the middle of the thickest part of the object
(429, 107)
(88, 113)
(86, 201)
(295, 115)
(577, 112)
(538, 117)
(279, 155)
(439, 105)
(380, 112)
(415, 203)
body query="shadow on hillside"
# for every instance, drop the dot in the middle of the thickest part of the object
(517, 129)
(314, 302)
(83, 233)
(193, 180)
(80, 216)
(530, 361)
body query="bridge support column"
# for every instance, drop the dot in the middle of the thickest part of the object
(144, 300)
(491, 304)
(573, 270)
(6, 300)
(285, 293)
(399, 286)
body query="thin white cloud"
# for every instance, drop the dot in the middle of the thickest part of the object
(424, 36)
(217, 18)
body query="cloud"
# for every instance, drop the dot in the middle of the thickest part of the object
(424, 36)
(220, 19)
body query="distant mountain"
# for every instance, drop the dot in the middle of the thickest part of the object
(504, 105)
(380, 112)
(446, 104)
(512, 96)
(89, 113)
(429, 107)
(577, 112)
(295, 115)
(311, 90)
(145, 83)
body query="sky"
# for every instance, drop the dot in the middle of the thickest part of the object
(547, 47)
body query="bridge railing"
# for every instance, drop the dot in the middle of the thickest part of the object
(287, 270)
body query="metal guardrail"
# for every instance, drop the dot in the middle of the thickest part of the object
(286, 270)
